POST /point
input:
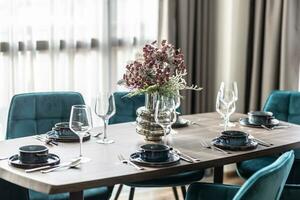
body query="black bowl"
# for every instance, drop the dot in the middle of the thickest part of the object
(63, 129)
(234, 138)
(155, 152)
(33, 154)
(260, 117)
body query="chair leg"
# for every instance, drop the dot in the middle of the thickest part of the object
(131, 194)
(183, 190)
(118, 192)
(175, 193)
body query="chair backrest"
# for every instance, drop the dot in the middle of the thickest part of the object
(126, 107)
(36, 113)
(268, 182)
(285, 105)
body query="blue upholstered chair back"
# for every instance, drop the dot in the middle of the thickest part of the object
(268, 182)
(285, 105)
(35, 113)
(126, 107)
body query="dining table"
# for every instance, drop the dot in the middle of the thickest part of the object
(105, 169)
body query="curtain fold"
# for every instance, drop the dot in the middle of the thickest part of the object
(273, 49)
(191, 28)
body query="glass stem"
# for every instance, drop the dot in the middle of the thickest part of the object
(104, 129)
(80, 140)
(165, 135)
(226, 119)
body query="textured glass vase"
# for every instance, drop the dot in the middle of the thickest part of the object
(146, 124)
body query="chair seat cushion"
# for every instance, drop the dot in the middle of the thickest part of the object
(102, 193)
(180, 179)
(249, 167)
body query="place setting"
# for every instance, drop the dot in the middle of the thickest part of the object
(262, 119)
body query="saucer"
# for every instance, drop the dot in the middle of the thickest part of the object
(66, 138)
(15, 161)
(172, 160)
(245, 122)
(180, 123)
(251, 144)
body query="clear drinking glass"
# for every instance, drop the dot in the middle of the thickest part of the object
(80, 123)
(225, 106)
(105, 108)
(165, 114)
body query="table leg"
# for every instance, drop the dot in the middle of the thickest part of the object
(76, 195)
(218, 174)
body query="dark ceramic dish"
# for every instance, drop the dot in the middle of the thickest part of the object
(15, 161)
(154, 152)
(173, 159)
(245, 122)
(260, 117)
(63, 129)
(234, 138)
(251, 144)
(33, 154)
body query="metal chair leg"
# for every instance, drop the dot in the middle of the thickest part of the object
(175, 193)
(183, 190)
(118, 192)
(131, 194)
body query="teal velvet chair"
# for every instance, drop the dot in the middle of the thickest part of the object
(285, 106)
(36, 113)
(126, 112)
(267, 183)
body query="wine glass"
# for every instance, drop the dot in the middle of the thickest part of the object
(80, 123)
(225, 106)
(105, 108)
(177, 105)
(165, 114)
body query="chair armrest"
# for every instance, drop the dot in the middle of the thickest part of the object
(208, 191)
(290, 192)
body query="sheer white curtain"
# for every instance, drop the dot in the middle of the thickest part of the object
(55, 45)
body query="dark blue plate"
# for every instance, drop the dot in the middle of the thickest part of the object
(68, 138)
(173, 160)
(245, 122)
(251, 144)
(15, 161)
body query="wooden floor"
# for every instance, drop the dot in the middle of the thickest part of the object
(167, 193)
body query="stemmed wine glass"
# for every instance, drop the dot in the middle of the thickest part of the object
(177, 105)
(165, 114)
(105, 108)
(80, 123)
(225, 105)
(232, 88)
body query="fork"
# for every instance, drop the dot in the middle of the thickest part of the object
(206, 145)
(126, 161)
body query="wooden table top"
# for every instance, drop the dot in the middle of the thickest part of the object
(105, 168)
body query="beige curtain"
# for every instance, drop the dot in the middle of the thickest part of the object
(273, 49)
(191, 27)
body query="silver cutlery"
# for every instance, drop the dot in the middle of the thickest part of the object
(206, 145)
(275, 127)
(4, 158)
(260, 141)
(67, 165)
(97, 134)
(187, 157)
(45, 140)
(126, 161)
(39, 168)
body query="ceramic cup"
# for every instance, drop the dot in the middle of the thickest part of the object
(260, 117)
(155, 152)
(33, 154)
(63, 129)
(234, 138)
